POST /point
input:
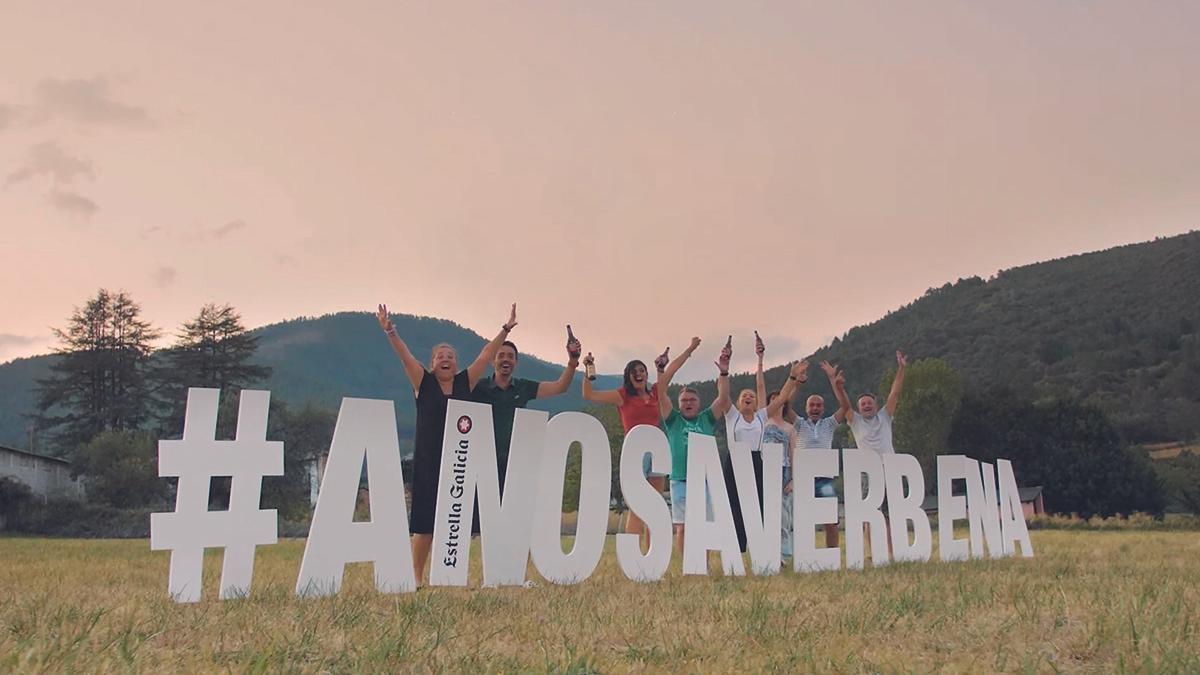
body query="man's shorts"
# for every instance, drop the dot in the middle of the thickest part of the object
(679, 502)
(824, 488)
(646, 470)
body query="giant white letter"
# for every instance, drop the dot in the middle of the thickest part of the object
(595, 487)
(647, 503)
(762, 530)
(809, 510)
(365, 428)
(907, 508)
(704, 472)
(1012, 515)
(864, 509)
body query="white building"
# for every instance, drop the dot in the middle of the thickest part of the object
(48, 477)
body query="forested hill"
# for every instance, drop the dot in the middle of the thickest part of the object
(345, 354)
(1119, 328)
(320, 360)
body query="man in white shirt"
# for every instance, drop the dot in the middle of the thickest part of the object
(872, 425)
(814, 431)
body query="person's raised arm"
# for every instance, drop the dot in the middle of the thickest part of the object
(665, 407)
(797, 377)
(760, 381)
(563, 382)
(612, 396)
(723, 402)
(833, 373)
(666, 371)
(481, 363)
(412, 367)
(897, 384)
(839, 390)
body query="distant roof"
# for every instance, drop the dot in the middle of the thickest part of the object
(1169, 450)
(27, 453)
(1029, 494)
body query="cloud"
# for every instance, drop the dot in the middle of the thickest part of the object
(228, 228)
(88, 101)
(50, 159)
(72, 202)
(164, 276)
(9, 340)
(9, 114)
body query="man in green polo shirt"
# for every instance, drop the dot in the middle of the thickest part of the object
(678, 424)
(506, 393)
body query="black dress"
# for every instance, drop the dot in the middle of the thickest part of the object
(427, 450)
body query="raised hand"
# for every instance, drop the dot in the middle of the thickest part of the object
(831, 370)
(695, 344)
(901, 359)
(759, 347)
(839, 380)
(723, 361)
(661, 361)
(727, 350)
(512, 318)
(798, 370)
(589, 360)
(384, 322)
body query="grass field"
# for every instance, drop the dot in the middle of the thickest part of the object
(1089, 601)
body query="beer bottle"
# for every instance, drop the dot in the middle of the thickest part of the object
(573, 347)
(589, 367)
(759, 347)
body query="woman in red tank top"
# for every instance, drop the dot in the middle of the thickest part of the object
(636, 405)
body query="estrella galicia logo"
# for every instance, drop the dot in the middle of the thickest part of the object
(464, 425)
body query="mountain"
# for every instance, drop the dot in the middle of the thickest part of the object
(1117, 328)
(320, 360)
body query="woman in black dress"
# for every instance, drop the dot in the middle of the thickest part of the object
(432, 389)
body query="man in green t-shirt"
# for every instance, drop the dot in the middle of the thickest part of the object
(678, 424)
(506, 393)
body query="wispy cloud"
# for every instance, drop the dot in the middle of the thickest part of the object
(50, 159)
(73, 203)
(9, 114)
(164, 276)
(87, 101)
(10, 340)
(228, 228)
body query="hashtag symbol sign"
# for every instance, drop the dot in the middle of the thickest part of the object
(195, 460)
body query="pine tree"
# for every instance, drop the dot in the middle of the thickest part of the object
(99, 382)
(212, 350)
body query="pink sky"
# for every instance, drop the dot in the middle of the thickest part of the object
(644, 171)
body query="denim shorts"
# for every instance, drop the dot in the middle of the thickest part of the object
(646, 470)
(824, 488)
(679, 502)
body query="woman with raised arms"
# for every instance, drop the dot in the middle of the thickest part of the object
(745, 424)
(638, 404)
(432, 389)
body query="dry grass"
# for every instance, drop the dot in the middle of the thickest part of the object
(1090, 601)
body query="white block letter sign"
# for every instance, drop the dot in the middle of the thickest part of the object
(365, 428)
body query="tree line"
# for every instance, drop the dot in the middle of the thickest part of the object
(111, 395)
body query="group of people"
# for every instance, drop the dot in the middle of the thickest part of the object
(756, 417)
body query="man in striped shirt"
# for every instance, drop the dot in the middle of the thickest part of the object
(815, 432)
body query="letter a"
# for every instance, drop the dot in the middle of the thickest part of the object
(365, 428)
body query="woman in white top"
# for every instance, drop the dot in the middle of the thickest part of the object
(744, 425)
